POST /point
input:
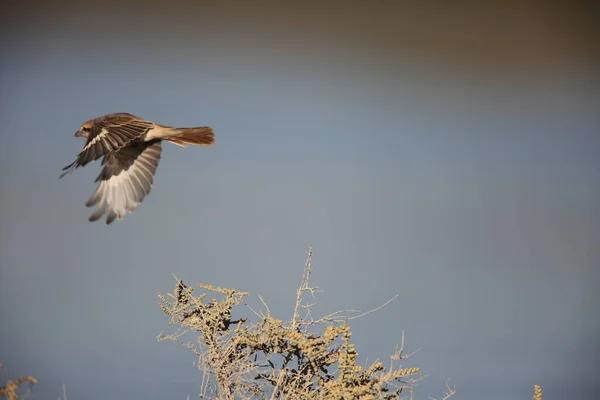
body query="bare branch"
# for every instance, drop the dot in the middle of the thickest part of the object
(375, 309)
(303, 287)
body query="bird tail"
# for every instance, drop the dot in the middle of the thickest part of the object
(201, 136)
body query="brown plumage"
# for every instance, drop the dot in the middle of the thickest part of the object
(202, 136)
(130, 148)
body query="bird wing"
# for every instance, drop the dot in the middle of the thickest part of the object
(109, 134)
(125, 180)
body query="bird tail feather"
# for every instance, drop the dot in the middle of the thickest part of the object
(201, 136)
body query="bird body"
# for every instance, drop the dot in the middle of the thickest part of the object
(130, 148)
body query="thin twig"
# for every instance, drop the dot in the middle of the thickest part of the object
(303, 287)
(375, 309)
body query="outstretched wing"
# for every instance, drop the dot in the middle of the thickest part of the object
(125, 180)
(109, 134)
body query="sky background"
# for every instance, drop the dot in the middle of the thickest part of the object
(446, 153)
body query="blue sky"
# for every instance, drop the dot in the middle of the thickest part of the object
(467, 183)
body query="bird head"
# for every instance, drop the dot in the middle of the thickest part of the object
(84, 130)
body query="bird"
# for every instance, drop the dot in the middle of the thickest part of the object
(130, 148)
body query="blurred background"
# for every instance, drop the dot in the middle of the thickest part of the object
(448, 152)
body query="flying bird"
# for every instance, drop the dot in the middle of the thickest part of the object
(130, 148)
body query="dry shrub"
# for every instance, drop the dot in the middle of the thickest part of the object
(537, 392)
(10, 388)
(304, 358)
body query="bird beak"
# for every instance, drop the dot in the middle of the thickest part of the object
(78, 134)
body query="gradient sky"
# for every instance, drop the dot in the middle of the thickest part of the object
(451, 156)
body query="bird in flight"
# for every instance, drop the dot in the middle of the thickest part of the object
(130, 148)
